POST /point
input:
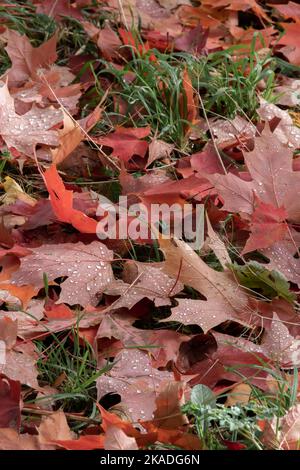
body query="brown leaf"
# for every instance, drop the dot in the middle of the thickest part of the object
(286, 132)
(11, 440)
(26, 59)
(54, 427)
(72, 134)
(240, 393)
(22, 367)
(274, 181)
(144, 280)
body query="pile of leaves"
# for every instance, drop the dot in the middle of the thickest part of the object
(134, 344)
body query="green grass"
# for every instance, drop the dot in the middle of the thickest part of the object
(153, 95)
(68, 364)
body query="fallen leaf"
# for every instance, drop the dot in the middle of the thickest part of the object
(274, 181)
(10, 411)
(32, 128)
(87, 267)
(54, 427)
(239, 394)
(136, 381)
(26, 59)
(126, 142)
(116, 439)
(65, 211)
(225, 298)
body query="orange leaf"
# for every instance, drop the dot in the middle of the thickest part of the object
(62, 203)
(24, 293)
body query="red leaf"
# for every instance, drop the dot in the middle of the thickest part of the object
(267, 226)
(234, 445)
(126, 142)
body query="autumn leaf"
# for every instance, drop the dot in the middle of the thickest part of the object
(10, 412)
(126, 142)
(87, 268)
(225, 298)
(116, 439)
(136, 381)
(72, 134)
(24, 132)
(268, 226)
(59, 9)
(144, 280)
(273, 179)
(62, 203)
(26, 59)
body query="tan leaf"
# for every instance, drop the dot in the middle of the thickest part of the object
(116, 439)
(72, 134)
(240, 393)
(54, 427)
(217, 245)
(168, 414)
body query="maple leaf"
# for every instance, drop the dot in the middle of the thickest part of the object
(144, 280)
(20, 358)
(62, 203)
(159, 149)
(106, 39)
(282, 256)
(26, 131)
(267, 226)
(288, 92)
(192, 41)
(25, 58)
(291, 42)
(274, 181)
(238, 5)
(54, 427)
(87, 267)
(280, 345)
(168, 414)
(136, 381)
(10, 439)
(225, 298)
(126, 142)
(85, 442)
(284, 433)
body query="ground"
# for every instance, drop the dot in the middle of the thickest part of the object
(117, 330)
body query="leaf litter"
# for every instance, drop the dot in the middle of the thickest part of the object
(118, 334)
